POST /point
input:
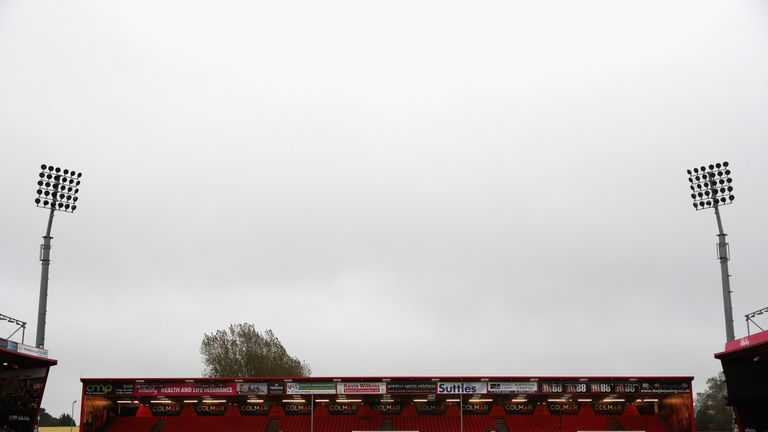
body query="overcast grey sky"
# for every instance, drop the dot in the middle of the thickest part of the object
(399, 187)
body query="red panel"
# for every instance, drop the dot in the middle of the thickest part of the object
(745, 342)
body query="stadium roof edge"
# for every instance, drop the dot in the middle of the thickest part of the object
(405, 378)
(27, 359)
(744, 344)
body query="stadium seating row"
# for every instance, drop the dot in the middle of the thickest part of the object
(422, 423)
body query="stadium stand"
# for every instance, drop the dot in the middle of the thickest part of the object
(543, 422)
(23, 375)
(745, 364)
(655, 405)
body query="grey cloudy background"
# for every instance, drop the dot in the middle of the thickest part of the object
(401, 187)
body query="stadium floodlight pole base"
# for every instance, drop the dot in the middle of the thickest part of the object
(724, 256)
(45, 261)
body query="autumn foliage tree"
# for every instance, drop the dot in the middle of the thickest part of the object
(241, 351)
(712, 414)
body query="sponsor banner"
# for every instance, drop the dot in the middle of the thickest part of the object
(519, 407)
(625, 388)
(342, 408)
(664, 388)
(608, 408)
(9, 345)
(99, 389)
(109, 388)
(185, 389)
(411, 388)
(464, 387)
(436, 408)
(310, 388)
(476, 408)
(589, 387)
(276, 388)
(565, 387)
(19, 421)
(611, 388)
(513, 387)
(210, 409)
(297, 408)
(165, 409)
(255, 409)
(123, 389)
(387, 408)
(567, 408)
(33, 351)
(252, 388)
(361, 388)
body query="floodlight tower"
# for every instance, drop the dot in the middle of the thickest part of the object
(711, 188)
(56, 191)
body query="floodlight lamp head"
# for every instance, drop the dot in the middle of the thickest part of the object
(54, 187)
(711, 185)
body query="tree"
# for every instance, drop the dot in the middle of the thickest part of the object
(712, 414)
(242, 351)
(46, 419)
(66, 420)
